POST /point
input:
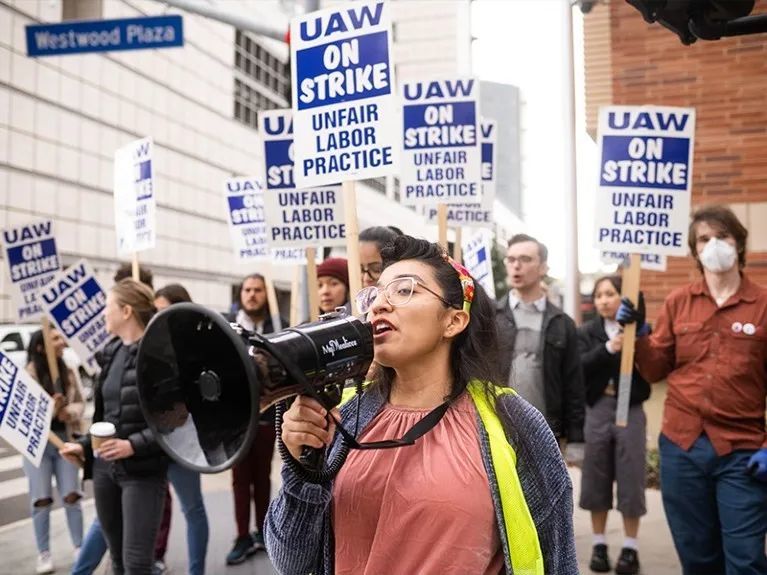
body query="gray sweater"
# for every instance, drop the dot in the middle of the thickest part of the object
(298, 531)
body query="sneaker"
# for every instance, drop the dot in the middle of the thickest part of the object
(243, 548)
(44, 563)
(158, 568)
(600, 562)
(258, 541)
(628, 562)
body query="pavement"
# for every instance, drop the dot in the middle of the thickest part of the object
(18, 552)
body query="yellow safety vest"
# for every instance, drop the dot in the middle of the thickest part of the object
(524, 546)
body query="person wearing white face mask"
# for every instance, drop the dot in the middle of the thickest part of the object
(710, 344)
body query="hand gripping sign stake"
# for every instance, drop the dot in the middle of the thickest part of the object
(631, 276)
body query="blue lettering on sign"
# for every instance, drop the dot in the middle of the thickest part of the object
(438, 89)
(277, 125)
(645, 162)
(343, 71)
(279, 164)
(33, 259)
(105, 35)
(8, 371)
(487, 161)
(27, 233)
(342, 21)
(78, 308)
(245, 209)
(442, 125)
(648, 121)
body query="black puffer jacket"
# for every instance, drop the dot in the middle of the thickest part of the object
(149, 458)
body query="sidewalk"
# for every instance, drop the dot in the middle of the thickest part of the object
(17, 547)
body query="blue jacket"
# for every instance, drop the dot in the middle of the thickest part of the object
(298, 532)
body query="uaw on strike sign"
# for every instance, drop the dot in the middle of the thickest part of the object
(296, 217)
(26, 411)
(75, 303)
(345, 109)
(643, 198)
(134, 197)
(30, 252)
(442, 157)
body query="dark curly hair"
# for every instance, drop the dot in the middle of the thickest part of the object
(474, 353)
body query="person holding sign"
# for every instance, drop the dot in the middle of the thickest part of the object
(372, 241)
(483, 490)
(612, 454)
(67, 419)
(333, 285)
(539, 345)
(710, 344)
(128, 470)
(251, 476)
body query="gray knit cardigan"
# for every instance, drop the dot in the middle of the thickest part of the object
(298, 531)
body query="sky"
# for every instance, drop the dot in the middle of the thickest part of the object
(520, 42)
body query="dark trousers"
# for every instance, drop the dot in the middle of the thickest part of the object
(717, 512)
(161, 545)
(250, 478)
(129, 509)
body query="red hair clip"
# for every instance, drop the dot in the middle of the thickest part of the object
(467, 283)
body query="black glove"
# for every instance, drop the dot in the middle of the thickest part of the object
(627, 313)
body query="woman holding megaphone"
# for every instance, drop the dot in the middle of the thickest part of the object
(129, 468)
(482, 490)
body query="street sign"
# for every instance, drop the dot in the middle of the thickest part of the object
(345, 109)
(79, 37)
(30, 252)
(26, 411)
(75, 302)
(645, 178)
(296, 217)
(134, 197)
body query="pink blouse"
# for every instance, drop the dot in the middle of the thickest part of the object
(423, 509)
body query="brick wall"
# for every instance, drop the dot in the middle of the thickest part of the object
(726, 82)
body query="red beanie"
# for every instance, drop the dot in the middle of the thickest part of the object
(336, 268)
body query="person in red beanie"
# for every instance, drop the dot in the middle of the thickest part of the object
(333, 284)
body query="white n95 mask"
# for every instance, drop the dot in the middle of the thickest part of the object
(718, 256)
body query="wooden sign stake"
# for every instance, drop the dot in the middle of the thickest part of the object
(442, 223)
(631, 277)
(311, 277)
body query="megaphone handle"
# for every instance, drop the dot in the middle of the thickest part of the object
(313, 458)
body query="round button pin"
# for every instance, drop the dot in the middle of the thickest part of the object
(749, 329)
(737, 327)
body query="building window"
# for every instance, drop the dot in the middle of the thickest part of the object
(261, 80)
(82, 10)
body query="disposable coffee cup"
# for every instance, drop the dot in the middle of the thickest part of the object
(100, 432)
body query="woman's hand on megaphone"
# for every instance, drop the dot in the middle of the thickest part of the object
(306, 424)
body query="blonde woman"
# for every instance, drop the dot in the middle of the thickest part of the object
(129, 471)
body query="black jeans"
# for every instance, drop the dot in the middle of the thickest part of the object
(129, 508)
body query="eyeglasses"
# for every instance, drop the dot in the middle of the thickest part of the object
(511, 260)
(397, 292)
(373, 270)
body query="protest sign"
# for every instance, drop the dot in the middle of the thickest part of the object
(247, 222)
(75, 303)
(30, 252)
(134, 197)
(645, 176)
(477, 215)
(477, 250)
(26, 411)
(441, 158)
(345, 110)
(295, 218)
(650, 262)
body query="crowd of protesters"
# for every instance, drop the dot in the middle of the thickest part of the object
(502, 393)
